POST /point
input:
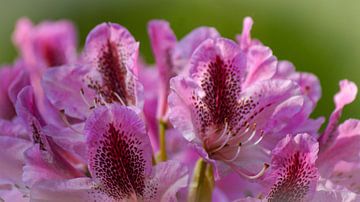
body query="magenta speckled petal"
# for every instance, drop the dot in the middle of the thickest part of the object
(119, 152)
(293, 172)
(111, 53)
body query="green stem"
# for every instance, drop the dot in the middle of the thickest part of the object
(162, 153)
(202, 184)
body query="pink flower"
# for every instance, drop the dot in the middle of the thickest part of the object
(120, 164)
(213, 110)
(106, 74)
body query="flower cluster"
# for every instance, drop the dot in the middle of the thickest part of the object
(214, 119)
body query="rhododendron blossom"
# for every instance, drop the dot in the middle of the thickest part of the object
(212, 120)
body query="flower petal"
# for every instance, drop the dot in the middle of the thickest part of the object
(119, 152)
(346, 147)
(187, 45)
(163, 41)
(7, 76)
(217, 68)
(47, 44)
(346, 95)
(261, 64)
(45, 165)
(293, 169)
(309, 83)
(112, 54)
(169, 177)
(74, 190)
(63, 87)
(12, 158)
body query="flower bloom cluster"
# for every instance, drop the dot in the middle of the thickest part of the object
(212, 119)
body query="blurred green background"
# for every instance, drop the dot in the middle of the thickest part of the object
(321, 36)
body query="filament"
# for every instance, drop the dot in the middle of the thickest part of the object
(251, 177)
(66, 121)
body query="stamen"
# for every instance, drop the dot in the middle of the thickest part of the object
(223, 134)
(66, 121)
(119, 98)
(95, 101)
(250, 177)
(251, 137)
(82, 94)
(234, 157)
(259, 140)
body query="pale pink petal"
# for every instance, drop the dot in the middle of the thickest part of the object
(309, 83)
(11, 192)
(261, 64)
(345, 96)
(180, 106)
(45, 165)
(74, 190)
(347, 175)
(346, 147)
(187, 45)
(12, 158)
(168, 178)
(64, 87)
(245, 41)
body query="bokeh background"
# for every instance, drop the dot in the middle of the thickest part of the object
(320, 36)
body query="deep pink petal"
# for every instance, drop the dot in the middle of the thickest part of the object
(211, 109)
(21, 80)
(119, 152)
(7, 76)
(47, 44)
(148, 76)
(163, 41)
